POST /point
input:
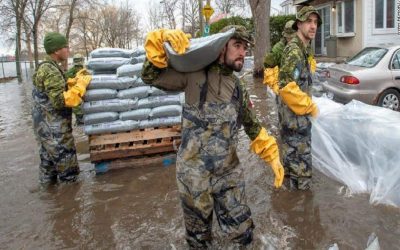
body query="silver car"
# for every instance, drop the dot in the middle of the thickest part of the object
(371, 76)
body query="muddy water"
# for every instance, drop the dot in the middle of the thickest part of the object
(139, 209)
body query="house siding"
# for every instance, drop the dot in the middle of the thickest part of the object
(371, 38)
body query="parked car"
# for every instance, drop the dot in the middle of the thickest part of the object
(371, 76)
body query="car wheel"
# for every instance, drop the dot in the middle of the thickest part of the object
(390, 99)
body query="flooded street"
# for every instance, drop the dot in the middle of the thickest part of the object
(139, 208)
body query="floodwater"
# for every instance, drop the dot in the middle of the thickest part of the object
(139, 209)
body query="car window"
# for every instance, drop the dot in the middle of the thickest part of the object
(396, 60)
(367, 57)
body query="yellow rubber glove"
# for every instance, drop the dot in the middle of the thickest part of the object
(266, 147)
(73, 97)
(82, 72)
(298, 101)
(71, 82)
(313, 64)
(154, 45)
(271, 78)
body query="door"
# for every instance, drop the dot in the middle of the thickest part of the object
(323, 31)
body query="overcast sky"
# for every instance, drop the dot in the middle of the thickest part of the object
(140, 5)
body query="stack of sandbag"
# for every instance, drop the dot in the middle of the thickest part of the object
(118, 100)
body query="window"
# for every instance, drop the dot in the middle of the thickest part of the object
(385, 14)
(345, 17)
(396, 60)
(368, 57)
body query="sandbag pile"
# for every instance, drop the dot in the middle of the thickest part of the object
(117, 99)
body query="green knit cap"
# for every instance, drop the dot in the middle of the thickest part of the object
(54, 41)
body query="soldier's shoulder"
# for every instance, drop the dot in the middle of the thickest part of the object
(47, 66)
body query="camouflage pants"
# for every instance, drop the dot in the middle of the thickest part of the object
(78, 114)
(57, 150)
(201, 193)
(296, 154)
(210, 180)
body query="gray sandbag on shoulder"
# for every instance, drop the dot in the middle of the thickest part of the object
(156, 101)
(165, 111)
(111, 52)
(136, 92)
(100, 94)
(138, 114)
(96, 118)
(111, 127)
(113, 105)
(111, 82)
(160, 122)
(107, 64)
(201, 52)
(130, 70)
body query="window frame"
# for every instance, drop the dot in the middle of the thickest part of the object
(383, 30)
(345, 34)
(396, 55)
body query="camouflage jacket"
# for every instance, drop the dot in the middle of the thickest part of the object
(71, 73)
(49, 79)
(295, 66)
(222, 86)
(273, 58)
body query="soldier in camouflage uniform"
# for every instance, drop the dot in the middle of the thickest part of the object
(272, 59)
(52, 103)
(78, 64)
(295, 105)
(217, 105)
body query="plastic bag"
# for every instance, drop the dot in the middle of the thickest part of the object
(110, 127)
(112, 105)
(202, 52)
(130, 70)
(111, 82)
(100, 94)
(358, 145)
(137, 115)
(111, 52)
(96, 118)
(160, 122)
(106, 64)
(137, 92)
(165, 111)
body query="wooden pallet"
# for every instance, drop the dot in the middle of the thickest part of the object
(141, 142)
(163, 159)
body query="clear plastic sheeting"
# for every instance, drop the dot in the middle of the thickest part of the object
(358, 145)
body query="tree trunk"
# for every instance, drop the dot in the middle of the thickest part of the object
(28, 44)
(261, 11)
(18, 50)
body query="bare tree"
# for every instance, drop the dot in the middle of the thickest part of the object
(37, 8)
(15, 11)
(226, 6)
(261, 12)
(154, 17)
(28, 42)
(168, 8)
(190, 12)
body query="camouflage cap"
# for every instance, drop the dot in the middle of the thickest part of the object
(303, 14)
(78, 59)
(240, 33)
(288, 31)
